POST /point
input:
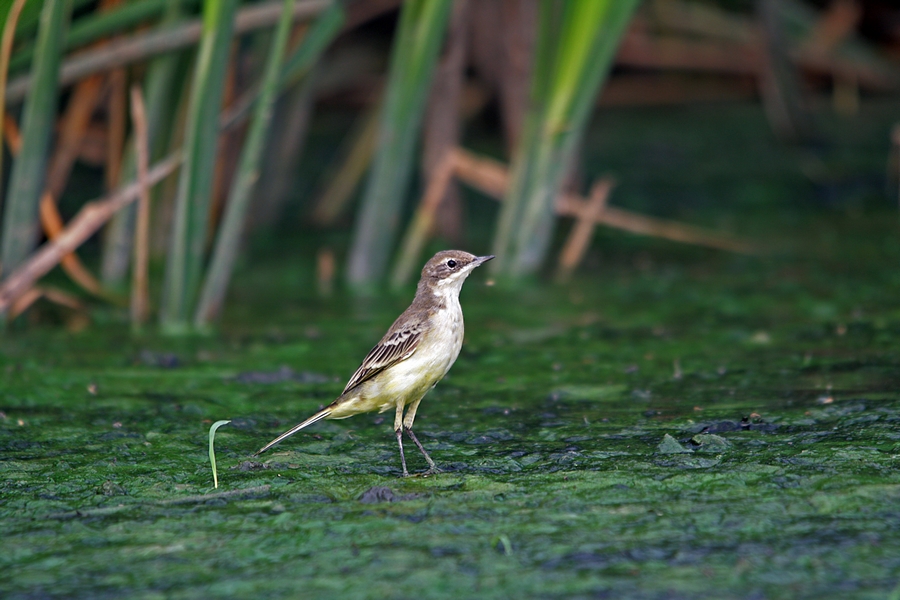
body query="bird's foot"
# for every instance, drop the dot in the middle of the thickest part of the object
(432, 470)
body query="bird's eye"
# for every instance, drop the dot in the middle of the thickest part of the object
(451, 263)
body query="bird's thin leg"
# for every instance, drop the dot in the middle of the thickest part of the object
(407, 425)
(402, 457)
(432, 468)
(398, 429)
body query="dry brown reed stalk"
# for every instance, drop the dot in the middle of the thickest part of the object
(117, 82)
(423, 221)
(74, 124)
(491, 177)
(517, 37)
(502, 37)
(67, 149)
(140, 300)
(414, 54)
(580, 237)
(441, 126)
(11, 134)
(361, 12)
(72, 128)
(141, 46)
(486, 175)
(325, 271)
(54, 295)
(358, 153)
(642, 49)
(89, 219)
(53, 225)
(632, 222)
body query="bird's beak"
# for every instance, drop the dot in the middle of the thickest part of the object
(483, 259)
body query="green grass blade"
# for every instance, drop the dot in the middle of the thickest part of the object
(228, 240)
(316, 40)
(186, 251)
(413, 60)
(20, 217)
(572, 64)
(29, 21)
(11, 17)
(299, 63)
(525, 154)
(212, 450)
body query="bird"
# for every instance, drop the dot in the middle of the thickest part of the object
(412, 357)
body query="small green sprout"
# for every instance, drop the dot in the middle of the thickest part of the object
(212, 450)
(502, 544)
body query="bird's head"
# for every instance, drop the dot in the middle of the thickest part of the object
(448, 269)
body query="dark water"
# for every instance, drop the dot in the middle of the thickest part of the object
(675, 423)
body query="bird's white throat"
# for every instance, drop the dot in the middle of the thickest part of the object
(451, 286)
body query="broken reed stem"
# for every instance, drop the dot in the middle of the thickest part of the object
(491, 177)
(670, 230)
(423, 221)
(441, 124)
(74, 124)
(139, 286)
(580, 237)
(23, 302)
(88, 220)
(72, 128)
(325, 270)
(36, 293)
(52, 224)
(486, 175)
(50, 219)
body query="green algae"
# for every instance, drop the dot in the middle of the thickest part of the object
(776, 379)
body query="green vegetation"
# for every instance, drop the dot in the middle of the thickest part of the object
(228, 239)
(20, 210)
(212, 449)
(413, 58)
(775, 379)
(671, 422)
(577, 41)
(184, 265)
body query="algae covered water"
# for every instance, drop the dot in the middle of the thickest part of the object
(674, 423)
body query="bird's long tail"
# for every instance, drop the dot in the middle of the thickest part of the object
(313, 419)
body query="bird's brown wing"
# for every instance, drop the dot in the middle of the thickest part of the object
(393, 347)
